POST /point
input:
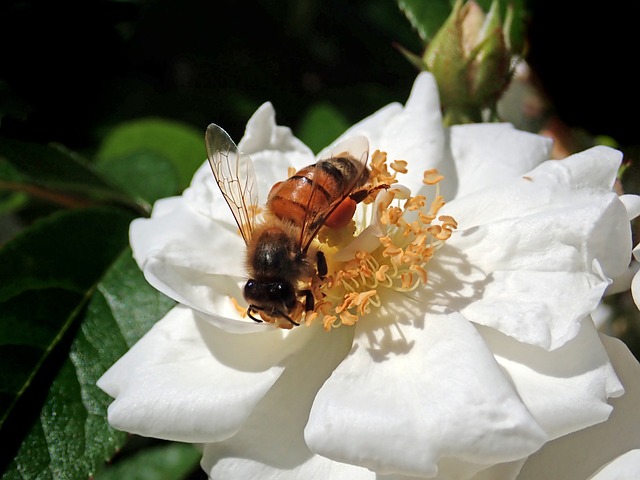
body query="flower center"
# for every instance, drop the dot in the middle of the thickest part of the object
(392, 252)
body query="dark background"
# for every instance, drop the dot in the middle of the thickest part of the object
(75, 68)
(70, 70)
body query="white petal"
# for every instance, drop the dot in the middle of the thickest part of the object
(262, 133)
(501, 471)
(581, 454)
(203, 196)
(552, 183)
(270, 444)
(373, 125)
(272, 148)
(622, 282)
(635, 289)
(186, 239)
(541, 253)
(632, 204)
(565, 390)
(635, 283)
(538, 308)
(188, 381)
(211, 296)
(357, 146)
(414, 133)
(485, 155)
(625, 467)
(456, 469)
(409, 396)
(194, 260)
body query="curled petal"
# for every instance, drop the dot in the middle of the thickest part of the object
(263, 134)
(183, 238)
(579, 455)
(626, 466)
(565, 390)
(552, 241)
(179, 252)
(624, 281)
(395, 405)
(188, 381)
(632, 204)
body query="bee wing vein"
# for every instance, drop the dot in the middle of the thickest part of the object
(235, 177)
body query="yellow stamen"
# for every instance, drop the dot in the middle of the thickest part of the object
(431, 177)
(415, 203)
(241, 310)
(399, 166)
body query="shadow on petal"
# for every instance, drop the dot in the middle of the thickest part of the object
(251, 352)
(272, 438)
(453, 282)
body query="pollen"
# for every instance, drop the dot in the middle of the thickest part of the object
(239, 308)
(411, 230)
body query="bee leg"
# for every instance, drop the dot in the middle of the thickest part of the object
(360, 195)
(309, 302)
(321, 265)
(291, 320)
(250, 310)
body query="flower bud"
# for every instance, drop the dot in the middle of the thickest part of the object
(470, 56)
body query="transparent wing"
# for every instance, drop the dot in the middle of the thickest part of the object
(356, 149)
(235, 176)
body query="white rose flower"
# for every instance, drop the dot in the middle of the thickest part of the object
(458, 353)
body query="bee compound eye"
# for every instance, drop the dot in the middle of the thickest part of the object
(282, 291)
(250, 288)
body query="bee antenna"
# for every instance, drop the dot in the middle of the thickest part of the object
(284, 315)
(253, 308)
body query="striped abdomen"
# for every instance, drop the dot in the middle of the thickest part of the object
(333, 179)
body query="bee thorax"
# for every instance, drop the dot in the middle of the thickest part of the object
(275, 253)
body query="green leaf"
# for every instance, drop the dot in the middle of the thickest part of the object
(61, 328)
(519, 16)
(68, 250)
(167, 462)
(180, 143)
(321, 125)
(54, 265)
(143, 173)
(134, 304)
(11, 202)
(27, 339)
(426, 16)
(56, 175)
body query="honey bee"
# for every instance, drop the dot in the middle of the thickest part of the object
(280, 256)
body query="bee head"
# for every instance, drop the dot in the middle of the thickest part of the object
(274, 298)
